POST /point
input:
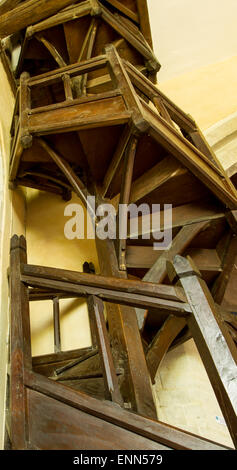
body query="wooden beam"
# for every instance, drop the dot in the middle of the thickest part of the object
(232, 220)
(20, 344)
(155, 177)
(78, 186)
(126, 341)
(8, 5)
(162, 341)
(224, 289)
(122, 220)
(105, 282)
(187, 214)
(52, 50)
(56, 321)
(125, 10)
(158, 271)
(116, 159)
(108, 295)
(27, 13)
(213, 341)
(112, 391)
(214, 178)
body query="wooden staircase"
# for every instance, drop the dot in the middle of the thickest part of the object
(89, 119)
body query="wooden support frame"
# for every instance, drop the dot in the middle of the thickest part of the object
(120, 106)
(213, 341)
(37, 390)
(158, 271)
(20, 344)
(125, 199)
(111, 382)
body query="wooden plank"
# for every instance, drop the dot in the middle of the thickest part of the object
(78, 116)
(123, 30)
(144, 257)
(187, 214)
(109, 295)
(158, 271)
(105, 282)
(125, 10)
(27, 13)
(144, 20)
(81, 430)
(190, 157)
(213, 341)
(106, 411)
(155, 177)
(161, 343)
(8, 5)
(20, 344)
(112, 391)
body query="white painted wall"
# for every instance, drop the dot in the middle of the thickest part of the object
(189, 34)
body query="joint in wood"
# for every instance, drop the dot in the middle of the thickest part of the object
(96, 9)
(140, 126)
(153, 65)
(26, 140)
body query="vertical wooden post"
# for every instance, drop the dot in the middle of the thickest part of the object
(86, 269)
(56, 321)
(112, 391)
(125, 198)
(20, 343)
(67, 87)
(25, 105)
(126, 341)
(213, 341)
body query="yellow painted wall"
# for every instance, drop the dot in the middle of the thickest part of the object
(209, 94)
(12, 220)
(48, 246)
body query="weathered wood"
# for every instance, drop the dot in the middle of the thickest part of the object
(105, 282)
(20, 343)
(112, 391)
(109, 295)
(76, 183)
(115, 161)
(126, 341)
(161, 343)
(7, 5)
(56, 318)
(52, 50)
(158, 271)
(27, 13)
(124, 201)
(155, 177)
(224, 291)
(106, 411)
(213, 341)
(187, 214)
(232, 220)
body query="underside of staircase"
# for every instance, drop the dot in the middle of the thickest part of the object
(90, 119)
